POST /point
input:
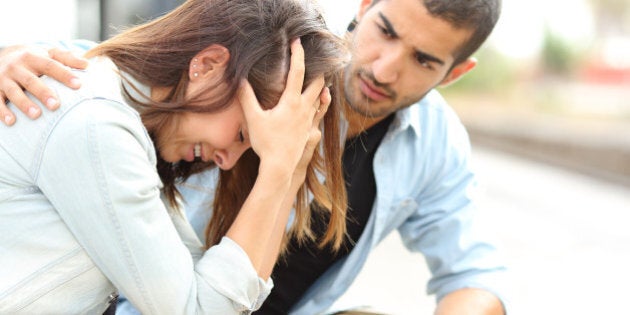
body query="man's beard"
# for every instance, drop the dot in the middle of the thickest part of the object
(363, 105)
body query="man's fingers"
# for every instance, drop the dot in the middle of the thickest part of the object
(5, 114)
(38, 88)
(16, 95)
(56, 67)
(68, 58)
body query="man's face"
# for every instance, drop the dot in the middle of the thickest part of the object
(400, 52)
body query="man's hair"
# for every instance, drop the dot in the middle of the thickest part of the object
(257, 35)
(480, 16)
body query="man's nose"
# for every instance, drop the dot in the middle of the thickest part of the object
(387, 67)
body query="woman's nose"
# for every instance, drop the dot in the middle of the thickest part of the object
(226, 159)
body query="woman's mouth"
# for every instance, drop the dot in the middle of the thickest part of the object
(197, 150)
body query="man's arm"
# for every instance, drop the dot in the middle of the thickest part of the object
(20, 68)
(469, 301)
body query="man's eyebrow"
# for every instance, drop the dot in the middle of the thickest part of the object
(388, 25)
(419, 53)
(425, 56)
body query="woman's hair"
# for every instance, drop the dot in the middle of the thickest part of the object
(257, 35)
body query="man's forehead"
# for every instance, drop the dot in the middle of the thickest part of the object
(418, 28)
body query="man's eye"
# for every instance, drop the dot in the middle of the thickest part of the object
(385, 31)
(424, 62)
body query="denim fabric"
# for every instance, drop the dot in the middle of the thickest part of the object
(82, 218)
(425, 191)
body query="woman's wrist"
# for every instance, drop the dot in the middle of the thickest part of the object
(276, 172)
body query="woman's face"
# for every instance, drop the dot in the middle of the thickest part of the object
(221, 137)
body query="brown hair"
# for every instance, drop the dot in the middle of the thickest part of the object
(480, 16)
(257, 35)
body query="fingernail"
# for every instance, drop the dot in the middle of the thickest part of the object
(33, 111)
(75, 82)
(52, 103)
(8, 119)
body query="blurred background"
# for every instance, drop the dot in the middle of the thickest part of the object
(548, 111)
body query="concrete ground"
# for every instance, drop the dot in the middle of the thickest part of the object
(564, 236)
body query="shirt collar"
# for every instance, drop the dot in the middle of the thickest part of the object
(137, 90)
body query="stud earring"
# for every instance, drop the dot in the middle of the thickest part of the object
(195, 66)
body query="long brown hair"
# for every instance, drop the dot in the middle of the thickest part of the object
(257, 35)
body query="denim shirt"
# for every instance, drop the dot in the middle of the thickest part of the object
(81, 217)
(425, 191)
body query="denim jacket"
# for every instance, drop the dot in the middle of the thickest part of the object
(81, 217)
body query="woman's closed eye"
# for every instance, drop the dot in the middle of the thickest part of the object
(241, 137)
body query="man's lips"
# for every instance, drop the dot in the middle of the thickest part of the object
(371, 91)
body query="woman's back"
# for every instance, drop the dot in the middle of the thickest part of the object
(41, 261)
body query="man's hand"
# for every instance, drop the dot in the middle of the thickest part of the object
(20, 68)
(470, 301)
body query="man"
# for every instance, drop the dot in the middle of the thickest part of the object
(406, 158)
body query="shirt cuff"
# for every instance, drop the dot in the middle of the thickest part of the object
(229, 271)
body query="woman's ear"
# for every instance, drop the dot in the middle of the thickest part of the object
(208, 63)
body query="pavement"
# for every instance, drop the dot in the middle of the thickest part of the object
(563, 235)
(594, 145)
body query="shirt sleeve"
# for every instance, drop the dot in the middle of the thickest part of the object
(107, 191)
(446, 228)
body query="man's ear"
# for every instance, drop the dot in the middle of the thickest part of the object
(207, 62)
(459, 70)
(363, 7)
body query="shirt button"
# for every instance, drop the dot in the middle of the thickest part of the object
(112, 298)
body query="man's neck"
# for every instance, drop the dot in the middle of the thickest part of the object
(357, 122)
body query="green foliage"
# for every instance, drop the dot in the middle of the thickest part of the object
(494, 72)
(558, 57)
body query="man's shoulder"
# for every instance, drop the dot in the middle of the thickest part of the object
(431, 113)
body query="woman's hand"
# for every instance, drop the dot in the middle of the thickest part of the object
(315, 135)
(280, 135)
(20, 68)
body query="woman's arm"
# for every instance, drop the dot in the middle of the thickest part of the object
(98, 171)
(284, 138)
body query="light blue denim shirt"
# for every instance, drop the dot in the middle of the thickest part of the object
(81, 217)
(425, 191)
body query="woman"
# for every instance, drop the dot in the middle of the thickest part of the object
(80, 203)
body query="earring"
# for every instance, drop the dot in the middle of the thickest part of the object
(195, 74)
(195, 66)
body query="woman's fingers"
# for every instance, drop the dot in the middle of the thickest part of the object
(248, 100)
(295, 77)
(323, 103)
